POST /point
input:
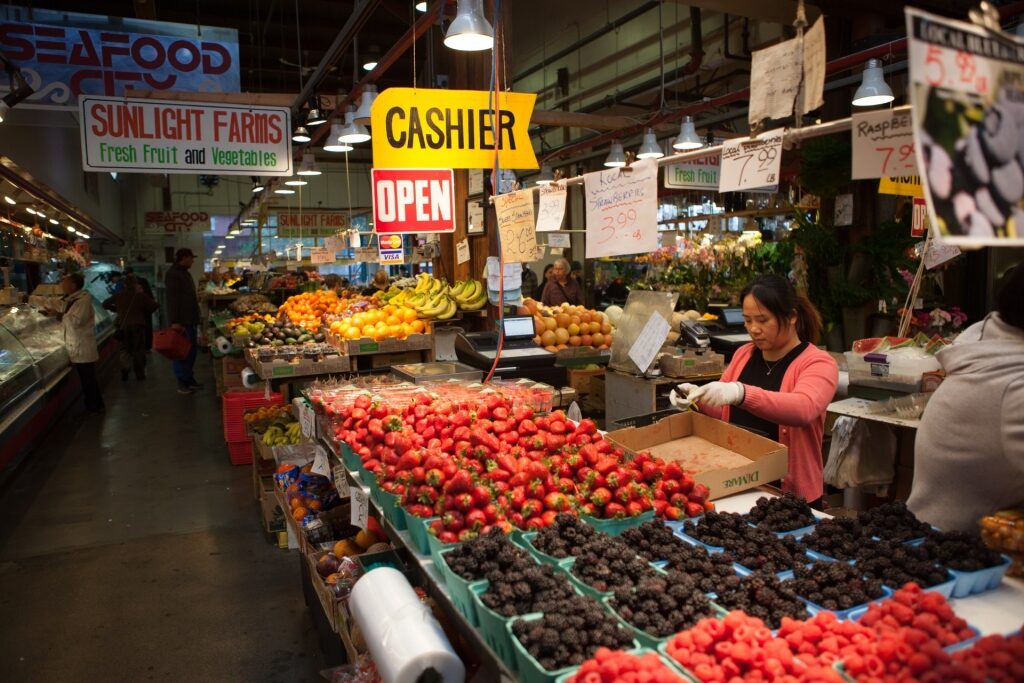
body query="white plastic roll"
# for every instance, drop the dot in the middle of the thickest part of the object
(223, 345)
(249, 378)
(401, 633)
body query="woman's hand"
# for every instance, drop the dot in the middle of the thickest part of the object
(716, 394)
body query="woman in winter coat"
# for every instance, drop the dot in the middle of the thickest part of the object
(780, 384)
(79, 323)
(969, 451)
(133, 306)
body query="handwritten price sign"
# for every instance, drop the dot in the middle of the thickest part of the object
(883, 145)
(516, 226)
(751, 163)
(622, 210)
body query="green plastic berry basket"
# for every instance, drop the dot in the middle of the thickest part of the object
(459, 588)
(527, 543)
(643, 637)
(390, 506)
(493, 627)
(352, 461)
(566, 678)
(580, 585)
(614, 527)
(435, 546)
(419, 532)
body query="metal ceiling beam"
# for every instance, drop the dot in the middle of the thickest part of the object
(775, 11)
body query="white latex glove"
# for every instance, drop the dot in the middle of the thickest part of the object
(679, 397)
(717, 394)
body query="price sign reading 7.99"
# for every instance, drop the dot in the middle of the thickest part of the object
(622, 211)
(751, 163)
(883, 145)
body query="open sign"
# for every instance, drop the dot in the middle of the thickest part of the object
(413, 200)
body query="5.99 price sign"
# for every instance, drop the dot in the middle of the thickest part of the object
(751, 163)
(622, 210)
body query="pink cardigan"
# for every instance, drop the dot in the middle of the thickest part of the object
(799, 409)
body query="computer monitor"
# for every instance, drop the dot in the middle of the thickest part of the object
(519, 328)
(732, 316)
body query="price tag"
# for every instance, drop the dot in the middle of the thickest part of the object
(320, 255)
(321, 465)
(462, 250)
(883, 145)
(516, 226)
(562, 240)
(307, 421)
(552, 207)
(360, 505)
(341, 481)
(622, 210)
(650, 341)
(751, 164)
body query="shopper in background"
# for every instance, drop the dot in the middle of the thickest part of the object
(576, 272)
(215, 281)
(545, 277)
(133, 306)
(780, 384)
(148, 289)
(78, 321)
(561, 289)
(379, 283)
(183, 315)
(529, 280)
(969, 451)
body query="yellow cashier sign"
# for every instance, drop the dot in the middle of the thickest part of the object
(423, 128)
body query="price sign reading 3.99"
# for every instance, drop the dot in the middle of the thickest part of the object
(751, 163)
(622, 212)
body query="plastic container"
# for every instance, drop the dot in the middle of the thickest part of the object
(681, 533)
(670, 665)
(527, 543)
(240, 452)
(844, 614)
(233, 407)
(971, 583)
(435, 546)
(796, 533)
(747, 571)
(580, 585)
(352, 461)
(895, 369)
(614, 527)
(529, 670)
(493, 626)
(419, 533)
(391, 508)
(815, 555)
(459, 589)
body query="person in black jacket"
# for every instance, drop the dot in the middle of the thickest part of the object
(183, 315)
(148, 289)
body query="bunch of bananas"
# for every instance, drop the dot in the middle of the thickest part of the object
(470, 295)
(433, 298)
(281, 435)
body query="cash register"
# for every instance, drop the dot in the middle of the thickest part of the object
(520, 355)
(729, 334)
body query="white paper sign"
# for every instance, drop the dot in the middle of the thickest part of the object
(307, 421)
(650, 341)
(751, 163)
(462, 251)
(552, 207)
(320, 255)
(360, 506)
(341, 481)
(334, 244)
(475, 217)
(622, 210)
(516, 225)
(321, 465)
(937, 253)
(559, 239)
(783, 72)
(883, 144)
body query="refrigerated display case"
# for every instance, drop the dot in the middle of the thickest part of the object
(18, 372)
(41, 336)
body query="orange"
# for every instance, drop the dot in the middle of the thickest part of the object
(547, 338)
(352, 332)
(394, 330)
(367, 330)
(417, 326)
(393, 320)
(408, 315)
(299, 513)
(562, 336)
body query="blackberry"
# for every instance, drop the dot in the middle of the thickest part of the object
(491, 552)
(764, 551)
(784, 513)
(893, 522)
(527, 588)
(607, 564)
(708, 570)
(895, 564)
(652, 541)
(718, 528)
(839, 537)
(663, 604)
(960, 551)
(834, 585)
(564, 538)
(763, 596)
(572, 634)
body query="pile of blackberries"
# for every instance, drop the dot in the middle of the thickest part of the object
(653, 541)
(840, 538)
(892, 522)
(764, 551)
(606, 564)
(492, 552)
(763, 596)
(895, 564)
(784, 513)
(527, 588)
(835, 585)
(570, 635)
(662, 605)
(708, 570)
(719, 529)
(960, 551)
(565, 538)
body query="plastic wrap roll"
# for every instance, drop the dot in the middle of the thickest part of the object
(249, 378)
(223, 344)
(401, 633)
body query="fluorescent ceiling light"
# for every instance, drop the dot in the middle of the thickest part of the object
(55, 221)
(421, 7)
(296, 181)
(9, 200)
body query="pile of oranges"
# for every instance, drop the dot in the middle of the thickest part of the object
(388, 322)
(308, 309)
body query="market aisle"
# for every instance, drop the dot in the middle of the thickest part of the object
(130, 548)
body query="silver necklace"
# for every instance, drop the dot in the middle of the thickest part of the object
(769, 368)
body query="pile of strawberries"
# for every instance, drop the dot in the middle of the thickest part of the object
(490, 463)
(608, 666)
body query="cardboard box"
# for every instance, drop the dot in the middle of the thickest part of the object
(688, 435)
(597, 388)
(581, 380)
(327, 598)
(271, 514)
(279, 368)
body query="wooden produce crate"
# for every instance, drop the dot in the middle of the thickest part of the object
(297, 368)
(323, 593)
(359, 347)
(271, 513)
(580, 380)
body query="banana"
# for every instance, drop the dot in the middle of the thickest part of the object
(470, 293)
(475, 305)
(449, 310)
(437, 306)
(459, 287)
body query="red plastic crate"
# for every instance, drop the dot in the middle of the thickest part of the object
(235, 403)
(240, 452)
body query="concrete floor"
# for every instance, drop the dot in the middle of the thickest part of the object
(131, 550)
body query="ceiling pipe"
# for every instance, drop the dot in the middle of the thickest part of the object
(589, 38)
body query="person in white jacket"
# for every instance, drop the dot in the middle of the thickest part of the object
(969, 452)
(79, 323)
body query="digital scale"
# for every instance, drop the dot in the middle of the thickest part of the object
(440, 371)
(520, 355)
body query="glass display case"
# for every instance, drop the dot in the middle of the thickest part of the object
(104, 320)
(41, 336)
(18, 371)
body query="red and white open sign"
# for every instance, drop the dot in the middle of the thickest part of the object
(413, 200)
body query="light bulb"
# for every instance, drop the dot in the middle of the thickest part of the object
(688, 138)
(470, 31)
(616, 156)
(650, 149)
(873, 89)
